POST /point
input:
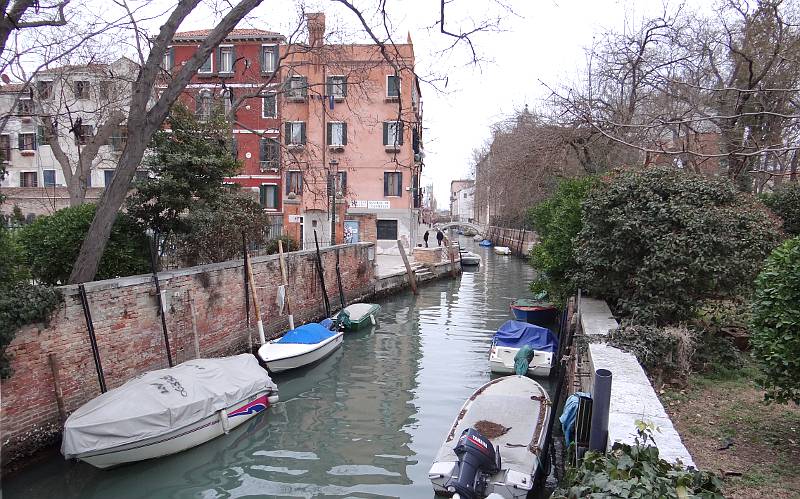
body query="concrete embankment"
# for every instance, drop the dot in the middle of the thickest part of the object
(205, 317)
(519, 240)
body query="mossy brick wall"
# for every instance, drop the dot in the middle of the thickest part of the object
(130, 339)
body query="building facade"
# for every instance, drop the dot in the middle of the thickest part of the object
(462, 200)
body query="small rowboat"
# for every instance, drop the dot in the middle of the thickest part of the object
(486, 243)
(167, 411)
(514, 335)
(510, 415)
(470, 258)
(535, 312)
(299, 347)
(358, 316)
(502, 250)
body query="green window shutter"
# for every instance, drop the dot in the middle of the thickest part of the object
(344, 86)
(288, 180)
(400, 183)
(216, 62)
(233, 59)
(262, 195)
(386, 184)
(274, 191)
(171, 52)
(304, 86)
(385, 133)
(275, 57)
(262, 152)
(330, 133)
(288, 133)
(344, 134)
(344, 182)
(20, 142)
(400, 132)
(235, 147)
(40, 134)
(261, 61)
(303, 132)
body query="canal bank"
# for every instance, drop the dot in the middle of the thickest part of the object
(365, 422)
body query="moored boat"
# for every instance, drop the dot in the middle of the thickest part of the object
(477, 238)
(470, 258)
(537, 312)
(299, 347)
(358, 316)
(486, 243)
(506, 416)
(167, 411)
(502, 250)
(514, 335)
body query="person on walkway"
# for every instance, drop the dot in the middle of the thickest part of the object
(439, 237)
(425, 238)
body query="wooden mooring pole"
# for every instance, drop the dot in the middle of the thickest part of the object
(53, 361)
(412, 280)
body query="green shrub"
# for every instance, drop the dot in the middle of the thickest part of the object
(289, 244)
(655, 242)
(664, 352)
(557, 221)
(52, 243)
(12, 259)
(775, 332)
(785, 202)
(636, 471)
(215, 230)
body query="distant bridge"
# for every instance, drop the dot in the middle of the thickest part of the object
(464, 225)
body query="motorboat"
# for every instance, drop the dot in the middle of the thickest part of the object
(485, 243)
(299, 347)
(495, 444)
(538, 312)
(357, 316)
(477, 238)
(167, 411)
(514, 335)
(502, 250)
(470, 258)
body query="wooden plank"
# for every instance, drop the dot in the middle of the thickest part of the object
(412, 280)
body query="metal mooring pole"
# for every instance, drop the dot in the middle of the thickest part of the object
(161, 309)
(92, 339)
(601, 402)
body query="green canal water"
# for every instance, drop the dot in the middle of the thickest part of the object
(366, 422)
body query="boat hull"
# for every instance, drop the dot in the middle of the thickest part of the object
(362, 315)
(185, 437)
(292, 356)
(535, 315)
(502, 250)
(501, 361)
(520, 405)
(469, 258)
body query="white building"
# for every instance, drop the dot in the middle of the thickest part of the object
(462, 200)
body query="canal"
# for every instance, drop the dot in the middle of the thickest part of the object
(366, 422)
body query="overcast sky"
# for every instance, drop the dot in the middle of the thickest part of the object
(541, 40)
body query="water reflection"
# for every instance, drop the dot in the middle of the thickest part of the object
(365, 422)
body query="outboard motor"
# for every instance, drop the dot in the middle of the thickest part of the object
(477, 461)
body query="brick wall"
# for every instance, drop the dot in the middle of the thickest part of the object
(367, 227)
(130, 339)
(41, 200)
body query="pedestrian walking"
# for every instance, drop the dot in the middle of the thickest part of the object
(439, 237)
(425, 238)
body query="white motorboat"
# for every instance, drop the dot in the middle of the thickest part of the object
(477, 238)
(514, 335)
(510, 415)
(299, 347)
(167, 411)
(502, 250)
(470, 258)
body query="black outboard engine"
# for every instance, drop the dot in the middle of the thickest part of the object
(477, 461)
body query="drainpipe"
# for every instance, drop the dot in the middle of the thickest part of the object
(601, 401)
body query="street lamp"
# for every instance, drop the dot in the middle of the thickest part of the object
(334, 168)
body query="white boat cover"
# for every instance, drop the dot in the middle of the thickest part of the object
(158, 402)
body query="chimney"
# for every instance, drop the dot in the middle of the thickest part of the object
(316, 28)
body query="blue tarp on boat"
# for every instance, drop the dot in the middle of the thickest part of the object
(515, 334)
(307, 334)
(485, 242)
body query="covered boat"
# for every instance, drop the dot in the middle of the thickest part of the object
(477, 238)
(167, 411)
(470, 258)
(534, 311)
(299, 347)
(502, 250)
(485, 243)
(506, 416)
(358, 316)
(514, 335)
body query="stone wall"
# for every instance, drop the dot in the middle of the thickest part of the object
(632, 396)
(41, 200)
(520, 241)
(205, 306)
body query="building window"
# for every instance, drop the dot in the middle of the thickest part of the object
(298, 87)
(393, 183)
(119, 138)
(337, 133)
(27, 142)
(25, 107)
(387, 229)
(169, 59)
(270, 154)
(337, 86)
(269, 58)
(227, 101)
(392, 133)
(83, 135)
(269, 106)
(341, 183)
(208, 65)
(294, 182)
(28, 179)
(295, 133)
(81, 89)
(226, 59)
(49, 178)
(392, 86)
(43, 138)
(203, 106)
(268, 196)
(45, 90)
(108, 176)
(5, 147)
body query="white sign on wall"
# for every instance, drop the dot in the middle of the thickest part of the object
(295, 219)
(378, 205)
(357, 203)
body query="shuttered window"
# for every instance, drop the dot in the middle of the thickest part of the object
(225, 58)
(294, 182)
(270, 154)
(392, 133)
(337, 87)
(393, 183)
(269, 106)
(337, 133)
(269, 58)
(295, 133)
(297, 87)
(268, 196)
(392, 86)
(387, 230)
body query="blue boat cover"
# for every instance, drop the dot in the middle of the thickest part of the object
(307, 334)
(515, 334)
(485, 242)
